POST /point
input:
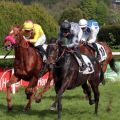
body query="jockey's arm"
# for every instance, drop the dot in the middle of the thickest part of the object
(80, 35)
(92, 39)
(93, 34)
(59, 38)
(75, 42)
(38, 33)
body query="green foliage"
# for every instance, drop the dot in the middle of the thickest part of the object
(71, 14)
(88, 7)
(114, 17)
(110, 34)
(108, 2)
(17, 13)
(101, 12)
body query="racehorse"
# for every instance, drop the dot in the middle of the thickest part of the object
(27, 64)
(67, 76)
(88, 50)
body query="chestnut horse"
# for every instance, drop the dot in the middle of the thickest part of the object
(87, 50)
(28, 65)
(67, 76)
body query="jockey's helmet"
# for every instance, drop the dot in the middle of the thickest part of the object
(83, 23)
(28, 25)
(65, 27)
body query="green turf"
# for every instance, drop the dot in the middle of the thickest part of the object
(75, 106)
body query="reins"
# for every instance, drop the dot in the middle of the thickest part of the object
(8, 53)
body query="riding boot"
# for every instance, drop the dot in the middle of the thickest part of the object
(42, 52)
(96, 49)
(84, 66)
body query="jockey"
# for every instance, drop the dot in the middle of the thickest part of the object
(72, 34)
(90, 30)
(35, 35)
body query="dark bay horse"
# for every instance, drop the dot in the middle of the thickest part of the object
(87, 50)
(27, 64)
(67, 76)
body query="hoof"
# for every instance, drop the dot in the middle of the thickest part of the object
(26, 109)
(92, 102)
(37, 100)
(10, 109)
(53, 108)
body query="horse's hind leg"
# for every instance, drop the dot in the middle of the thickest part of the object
(96, 96)
(46, 87)
(87, 91)
(13, 80)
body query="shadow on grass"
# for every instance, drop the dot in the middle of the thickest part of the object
(42, 114)
(66, 97)
(18, 110)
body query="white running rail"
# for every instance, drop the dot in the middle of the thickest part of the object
(12, 56)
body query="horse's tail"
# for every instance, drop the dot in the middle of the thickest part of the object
(113, 65)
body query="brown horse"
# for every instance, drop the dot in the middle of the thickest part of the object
(87, 50)
(67, 76)
(27, 64)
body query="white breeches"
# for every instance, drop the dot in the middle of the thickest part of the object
(40, 41)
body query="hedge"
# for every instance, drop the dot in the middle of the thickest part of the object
(110, 34)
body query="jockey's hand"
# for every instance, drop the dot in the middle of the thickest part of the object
(83, 42)
(27, 40)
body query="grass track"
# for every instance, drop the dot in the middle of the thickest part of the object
(75, 107)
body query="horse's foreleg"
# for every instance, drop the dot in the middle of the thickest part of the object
(13, 80)
(45, 89)
(30, 92)
(30, 97)
(59, 106)
(96, 96)
(59, 98)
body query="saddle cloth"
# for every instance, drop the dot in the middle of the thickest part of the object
(102, 52)
(90, 68)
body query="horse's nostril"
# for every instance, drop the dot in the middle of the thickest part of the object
(5, 47)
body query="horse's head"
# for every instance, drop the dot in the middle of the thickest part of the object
(15, 38)
(9, 42)
(52, 51)
(10, 39)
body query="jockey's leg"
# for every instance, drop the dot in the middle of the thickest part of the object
(42, 52)
(39, 45)
(96, 49)
(84, 66)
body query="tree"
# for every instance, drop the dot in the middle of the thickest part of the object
(71, 14)
(101, 12)
(88, 7)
